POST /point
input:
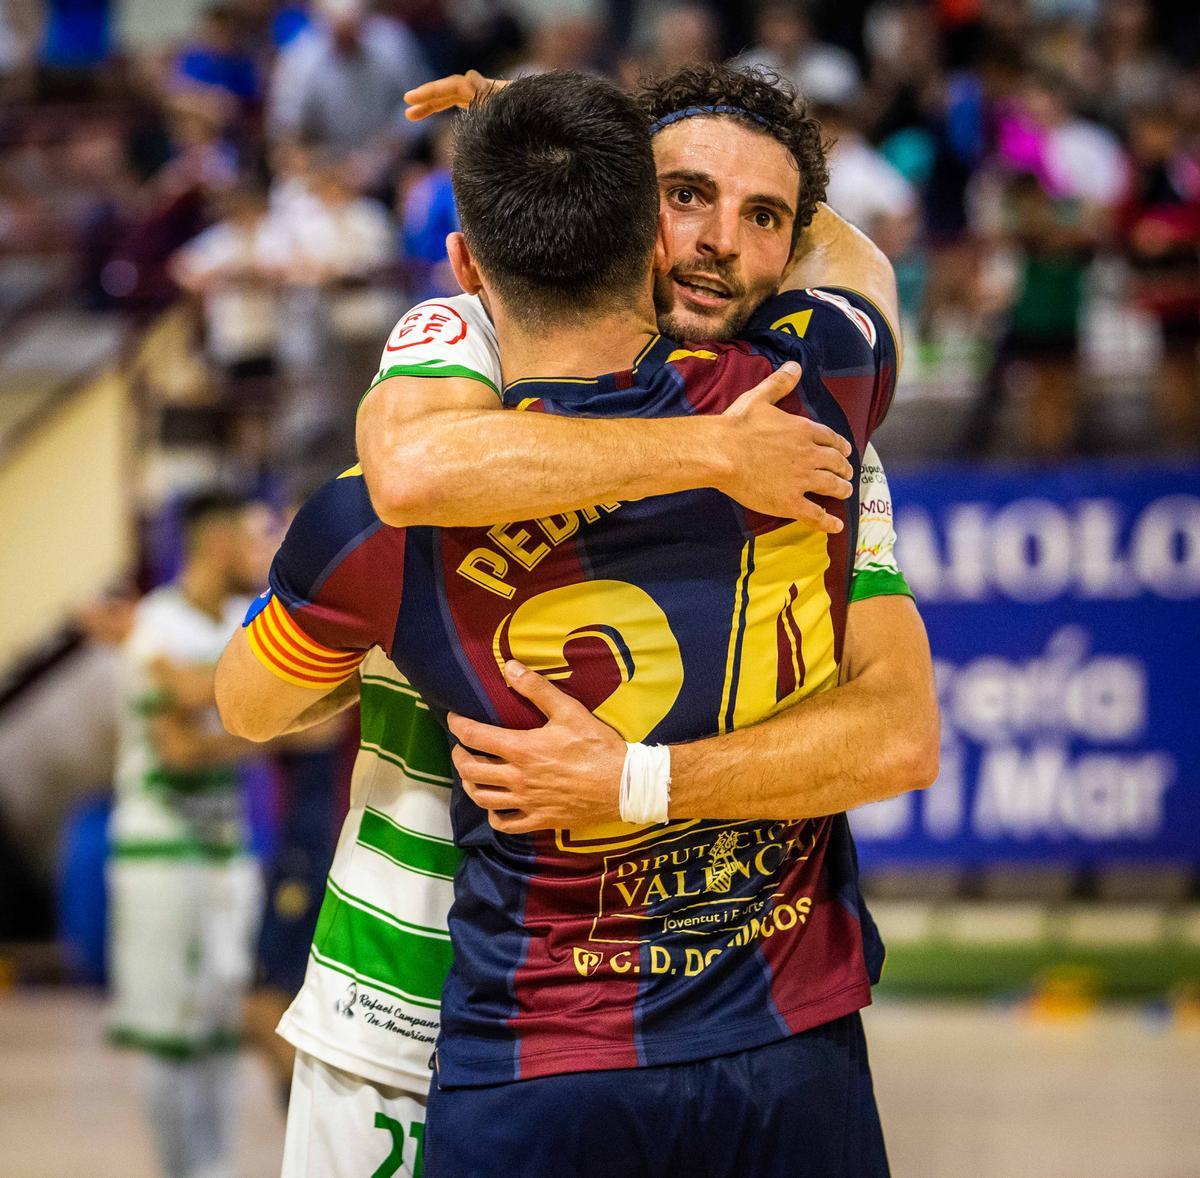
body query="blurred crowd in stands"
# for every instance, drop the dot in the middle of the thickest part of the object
(1031, 166)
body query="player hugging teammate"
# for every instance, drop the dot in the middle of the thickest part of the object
(586, 550)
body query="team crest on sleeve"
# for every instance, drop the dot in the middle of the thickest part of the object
(860, 319)
(427, 324)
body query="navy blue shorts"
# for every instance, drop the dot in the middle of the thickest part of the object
(296, 873)
(800, 1108)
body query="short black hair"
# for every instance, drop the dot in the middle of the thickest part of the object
(557, 194)
(772, 105)
(209, 504)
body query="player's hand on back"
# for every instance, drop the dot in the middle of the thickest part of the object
(778, 459)
(431, 98)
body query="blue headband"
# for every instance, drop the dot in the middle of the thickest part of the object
(690, 112)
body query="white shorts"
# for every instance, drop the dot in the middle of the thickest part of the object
(181, 951)
(341, 1126)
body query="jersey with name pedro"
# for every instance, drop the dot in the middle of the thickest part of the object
(673, 618)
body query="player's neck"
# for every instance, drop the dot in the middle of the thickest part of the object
(591, 347)
(204, 589)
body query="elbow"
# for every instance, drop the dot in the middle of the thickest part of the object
(240, 723)
(407, 492)
(920, 761)
(238, 715)
(924, 766)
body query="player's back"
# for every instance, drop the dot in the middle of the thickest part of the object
(673, 618)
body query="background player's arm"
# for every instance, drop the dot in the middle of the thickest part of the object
(434, 451)
(832, 252)
(182, 744)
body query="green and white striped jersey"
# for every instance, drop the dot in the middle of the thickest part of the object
(381, 952)
(162, 813)
(876, 571)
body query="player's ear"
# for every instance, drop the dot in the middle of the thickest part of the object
(462, 263)
(663, 252)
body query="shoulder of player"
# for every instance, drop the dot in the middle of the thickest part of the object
(716, 372)
(339, 509)
(824, 315)
(450, 337)
(447, 321)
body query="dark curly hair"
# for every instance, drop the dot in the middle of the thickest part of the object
(785, 117)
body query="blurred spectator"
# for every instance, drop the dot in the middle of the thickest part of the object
(334, 233)
(1133, 70)
(18, 35)
(235, 268)
(904, 87)
(1159, 224)
(173, 206)
(76, 38)
(564, 35)
(215, 58)
(865, 189)
(786, 44)
(428, 214)
(1053, 244)
(340, 85)
(684, 33)
(1072, 157)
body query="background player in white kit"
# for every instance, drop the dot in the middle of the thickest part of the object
(184, 889)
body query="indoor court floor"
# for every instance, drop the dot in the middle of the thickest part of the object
(965, 1092)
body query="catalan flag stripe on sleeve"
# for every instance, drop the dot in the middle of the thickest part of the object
(286, 651)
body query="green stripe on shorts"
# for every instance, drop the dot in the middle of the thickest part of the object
(173, 1046)
(177, 849)
(200, 781)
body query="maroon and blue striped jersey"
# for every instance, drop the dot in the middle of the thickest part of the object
(672, 618)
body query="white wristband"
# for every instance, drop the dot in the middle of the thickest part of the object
(645, 784)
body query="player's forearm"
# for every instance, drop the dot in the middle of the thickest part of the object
(858, 743)
(467, 467)
(832, 252)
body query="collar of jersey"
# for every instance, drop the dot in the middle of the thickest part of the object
(575, 388)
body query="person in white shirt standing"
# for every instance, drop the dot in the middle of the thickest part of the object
(184, 891)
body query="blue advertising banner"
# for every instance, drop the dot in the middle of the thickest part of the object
(1063, 609)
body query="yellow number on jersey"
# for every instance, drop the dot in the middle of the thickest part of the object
(644, 649)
